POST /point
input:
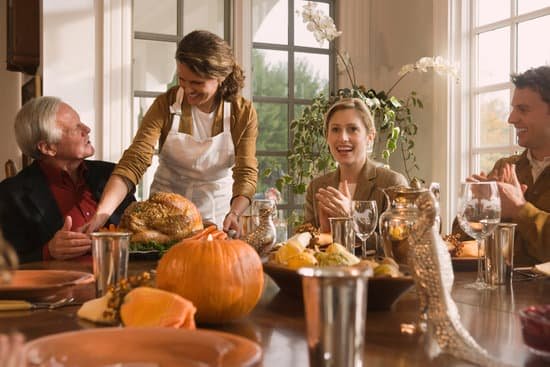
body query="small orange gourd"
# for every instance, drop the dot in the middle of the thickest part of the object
(223, 278)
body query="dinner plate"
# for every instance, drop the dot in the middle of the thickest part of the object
(150, 347)
(35, 285)
(383, 292)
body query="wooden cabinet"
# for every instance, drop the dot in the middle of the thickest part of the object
(23, 46)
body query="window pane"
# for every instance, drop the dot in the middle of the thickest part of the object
(268, 16)
(277, 166)
(310, 74)
(493, 118)
(141, 106)
(203, 14)
(489, 11)
(303, 37)
(525, 6)
(533, 53)
(155, 16)
(270, 69)
(154, 65)
(494, 57)
(273, 126)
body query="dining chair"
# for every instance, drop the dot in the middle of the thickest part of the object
(10, 168)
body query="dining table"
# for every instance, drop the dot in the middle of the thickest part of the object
(277, 323)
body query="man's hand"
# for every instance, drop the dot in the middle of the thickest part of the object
(67, 244)
(511, 193)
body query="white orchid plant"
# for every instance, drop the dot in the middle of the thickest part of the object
(393, 116)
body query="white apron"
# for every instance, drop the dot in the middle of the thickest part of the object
(200, 170)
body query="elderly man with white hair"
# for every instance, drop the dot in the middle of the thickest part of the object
(44, 205)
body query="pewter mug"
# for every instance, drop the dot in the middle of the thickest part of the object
(341, 229)
(499, 254)
(110, 252)
(335, 300)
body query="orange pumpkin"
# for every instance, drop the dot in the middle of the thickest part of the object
(223, 278)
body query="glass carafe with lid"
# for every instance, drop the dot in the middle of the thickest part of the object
(397, 221)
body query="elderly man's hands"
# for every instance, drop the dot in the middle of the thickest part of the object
(67, 244)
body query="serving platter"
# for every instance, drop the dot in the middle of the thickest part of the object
(145, 254)
(34, 285)
(151, 347)
(383, 292)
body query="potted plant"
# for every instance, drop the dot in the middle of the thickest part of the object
(395, 125)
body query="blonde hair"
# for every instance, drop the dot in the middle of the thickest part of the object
(209, 56)
(37, 121)
(356, 104)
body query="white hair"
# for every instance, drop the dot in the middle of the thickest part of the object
(35, 122)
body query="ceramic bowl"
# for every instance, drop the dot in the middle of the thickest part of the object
(535, 327)
(382, 292)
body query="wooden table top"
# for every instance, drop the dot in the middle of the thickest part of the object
(277, 323)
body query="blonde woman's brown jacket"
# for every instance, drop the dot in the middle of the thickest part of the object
(372, 179)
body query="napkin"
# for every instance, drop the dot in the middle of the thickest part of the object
(543, 268)
(94, 310)
(146, 306)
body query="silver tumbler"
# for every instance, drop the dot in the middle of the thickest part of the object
(499, 254)
(335, 300)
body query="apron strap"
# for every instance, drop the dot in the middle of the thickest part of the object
(227, 117)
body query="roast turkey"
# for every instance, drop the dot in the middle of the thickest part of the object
(163, 218)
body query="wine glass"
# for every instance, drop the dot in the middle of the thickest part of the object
(478, 216)
(365, 218)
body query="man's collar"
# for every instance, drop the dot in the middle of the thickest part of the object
(533, 160)
(55, 173)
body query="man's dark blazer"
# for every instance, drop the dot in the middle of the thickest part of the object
(29, 215)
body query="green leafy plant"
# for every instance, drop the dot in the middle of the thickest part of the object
(395, 125)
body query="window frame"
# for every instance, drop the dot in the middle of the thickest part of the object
(142, 189)
(290, 100)
(463, 122)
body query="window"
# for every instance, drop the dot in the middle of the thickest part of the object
(157, 27)
(507, 36)
(288, 69)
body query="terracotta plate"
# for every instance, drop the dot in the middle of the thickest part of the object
(382, 293)
(42, 284)
(151, 347)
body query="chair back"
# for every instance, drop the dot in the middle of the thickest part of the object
(10, 168)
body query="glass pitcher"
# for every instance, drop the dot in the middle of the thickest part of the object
(397, 221)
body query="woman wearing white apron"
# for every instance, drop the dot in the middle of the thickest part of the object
(198, 166)
(206, 134)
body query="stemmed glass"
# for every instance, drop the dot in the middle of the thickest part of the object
(478, 216)
(365, 218)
